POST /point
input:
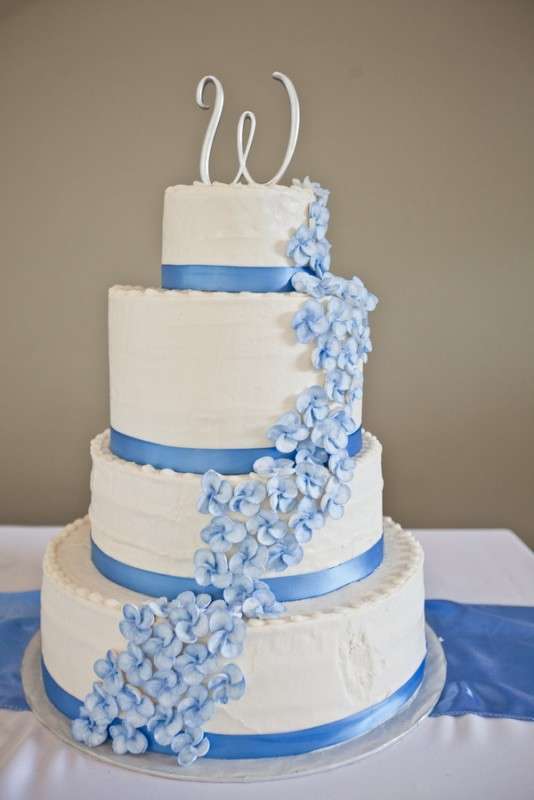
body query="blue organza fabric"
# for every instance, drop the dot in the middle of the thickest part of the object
(490, 659)
(19, 619)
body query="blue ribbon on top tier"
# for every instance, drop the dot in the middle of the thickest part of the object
(223, 278)
(226, 461)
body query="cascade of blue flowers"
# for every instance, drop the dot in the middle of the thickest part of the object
(177, 665)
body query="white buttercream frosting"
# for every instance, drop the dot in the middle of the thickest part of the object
(327, 658)
(148, 518)
(231, 224)
(205, 369)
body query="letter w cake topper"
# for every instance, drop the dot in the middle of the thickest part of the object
(243, 151)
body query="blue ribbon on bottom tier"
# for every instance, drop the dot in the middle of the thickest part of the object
(271, 745)
(222, 278)
(227, 461)
(285, 589)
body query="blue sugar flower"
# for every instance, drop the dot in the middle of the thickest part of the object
(229, 684)
(248, 497)
(349, 357)
(222, 533)
(330, 435)
(135, 664)
(320, 257)
(359, 296)
(235, 595)
(306, 284)
(137, 624)
(346, 421)
(371, 301)
(86, 730)
(190, 616)
(215, 495)
(321, 194)
(163, 646)
(319, 218)
(337, 383)
(332, 286)
(127, 739)
(311, 479)
(166, 687)
(288, 432)
(101, 706)
(353, 395)
(365, 345)
(306, 520)
(355, 291)
(137, 707)
(211, 568)
(190, 745)
(310, 321)
(267, 527)
(284, 554)
(175, 608)
(250, 559)
(342, 466)
(195, 663)
(262, 604)
(282, 493)
(312, 404)
(356, 390)
(300, 246)
(108, 670)
(165, 724)
(326, 354)
(336, 495)
(309, 452)
(196, 707)
(339, 316)
(268, 467)
(160, 607)
(227, 634)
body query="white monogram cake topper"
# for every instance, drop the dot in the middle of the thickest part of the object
(244, 151)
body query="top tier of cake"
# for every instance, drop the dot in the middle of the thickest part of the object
(232, 224)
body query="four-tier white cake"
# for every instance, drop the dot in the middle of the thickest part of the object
(235, 586)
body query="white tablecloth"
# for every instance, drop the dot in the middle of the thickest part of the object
(446, 757)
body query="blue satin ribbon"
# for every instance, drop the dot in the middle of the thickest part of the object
(271, 745)
(227, 461)
(285, 589)
(220, 278)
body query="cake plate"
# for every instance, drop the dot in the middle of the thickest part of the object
(246, 770)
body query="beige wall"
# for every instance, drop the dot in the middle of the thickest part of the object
(418, 115)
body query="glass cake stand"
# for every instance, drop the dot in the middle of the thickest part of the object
(263, 769)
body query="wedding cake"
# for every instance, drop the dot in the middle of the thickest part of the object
(235, 591)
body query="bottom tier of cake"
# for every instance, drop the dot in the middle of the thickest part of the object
(326, 664)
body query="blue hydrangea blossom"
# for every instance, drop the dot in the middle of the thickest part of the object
(109, 671)
(288, 432)
(135, 664)
(125, 738)
(216, 493)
